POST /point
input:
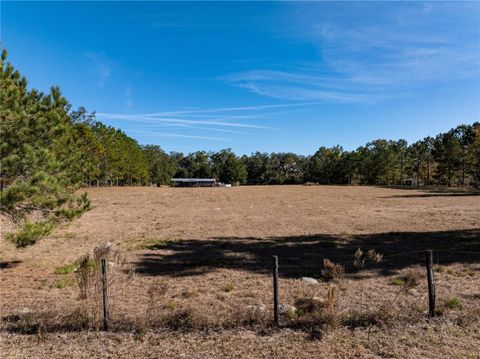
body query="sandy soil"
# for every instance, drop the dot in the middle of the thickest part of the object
(210, 250)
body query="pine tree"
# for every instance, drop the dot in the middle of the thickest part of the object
(37, 184)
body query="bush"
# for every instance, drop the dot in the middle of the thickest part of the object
(331, 270)
(30, 233)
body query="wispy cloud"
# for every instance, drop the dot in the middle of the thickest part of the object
(176, 135)
(300, 87)
(193, 122)
(152, 118)
(128, 97)
(102, 67)
(185, 126)
(384, 52)
(197, 112)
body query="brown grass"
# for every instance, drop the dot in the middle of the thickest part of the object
(196, 280)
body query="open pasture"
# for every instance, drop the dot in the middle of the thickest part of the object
(195, 276)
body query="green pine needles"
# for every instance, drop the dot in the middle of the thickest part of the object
(38, 180)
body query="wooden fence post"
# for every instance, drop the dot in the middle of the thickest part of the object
(431, 283)
(275, 291)
(106, 315)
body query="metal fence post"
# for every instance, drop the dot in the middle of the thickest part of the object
(431, 283)
(106, 315)
(275, 291)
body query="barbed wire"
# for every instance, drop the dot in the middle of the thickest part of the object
(350, 261)
(460, 252)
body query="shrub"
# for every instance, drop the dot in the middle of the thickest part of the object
(30, 233)
(331, 270)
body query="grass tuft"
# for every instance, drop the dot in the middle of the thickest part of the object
(397, 281)
(228, 288)
(66, 269)
(63, 283)
(452, 303)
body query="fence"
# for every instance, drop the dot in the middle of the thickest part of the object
(357, 262)
(282, 271)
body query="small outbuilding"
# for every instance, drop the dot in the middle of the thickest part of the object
(412, 181)
(194, 182)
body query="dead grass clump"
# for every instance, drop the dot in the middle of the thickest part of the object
(409, 280)
(80, 319)
(88, 269)
(156, 303)
(85, 274)
(468, 317)
(315, 315)
(360, 257)
(181, 319)
(38, 322)
(384, 316)
(24, 323)
(109, 251)
(331, 271)
(228, 288)
(251, 316)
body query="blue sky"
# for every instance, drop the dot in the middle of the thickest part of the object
(268, 76)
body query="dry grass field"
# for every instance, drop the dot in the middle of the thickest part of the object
(193, 275)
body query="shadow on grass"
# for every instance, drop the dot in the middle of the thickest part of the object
(434, 192)
(9, 264)
(303, 255)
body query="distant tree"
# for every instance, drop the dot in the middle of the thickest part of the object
(256, 166)
(326, 166)
(227, 167)
(447, 152)
(161, 166)
(465, 135)
(195, 165)
(400, 159)
(376, 164)
(421, 154)
(473, 156)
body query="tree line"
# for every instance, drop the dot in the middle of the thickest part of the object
(451, 158)
(49, 150)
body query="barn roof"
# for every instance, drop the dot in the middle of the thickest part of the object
(193, 180)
